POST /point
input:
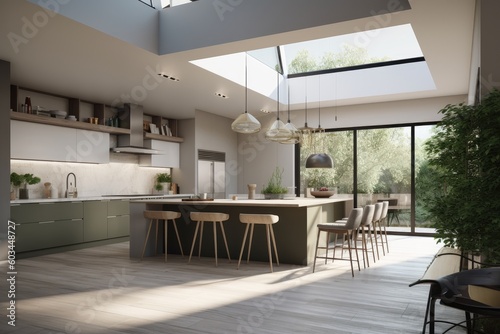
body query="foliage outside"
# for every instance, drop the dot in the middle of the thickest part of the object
(274, 185)
(349, 55)
(465, 159)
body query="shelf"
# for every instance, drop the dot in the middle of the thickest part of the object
(148, 135)
(69, 124)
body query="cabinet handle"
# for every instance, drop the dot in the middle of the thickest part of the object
(47, 222)
(112, 216)
(76, 219)
(15, 204)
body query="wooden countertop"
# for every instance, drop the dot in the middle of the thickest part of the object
(293, 202)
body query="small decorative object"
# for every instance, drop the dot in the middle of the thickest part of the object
(162, 182)
(17, 180)
(323, 192)
(251, 190)
(274, 188)
(47, 191)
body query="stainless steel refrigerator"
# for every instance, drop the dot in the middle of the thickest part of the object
(212, 174)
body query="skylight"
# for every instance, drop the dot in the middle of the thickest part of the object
(369, 63)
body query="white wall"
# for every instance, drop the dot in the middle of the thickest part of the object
(130, 21)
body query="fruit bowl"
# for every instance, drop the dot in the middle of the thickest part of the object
(322, 193)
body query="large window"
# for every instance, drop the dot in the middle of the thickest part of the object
(372, 165)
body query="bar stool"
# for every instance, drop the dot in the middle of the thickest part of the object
(348, 230)
(261, 219)
(215, 217)
(157, 216)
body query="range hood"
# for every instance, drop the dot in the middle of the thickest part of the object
(132, 116)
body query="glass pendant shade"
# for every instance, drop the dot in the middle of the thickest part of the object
(319, 160)
(295, 138)
(246, 123)
(278, 132)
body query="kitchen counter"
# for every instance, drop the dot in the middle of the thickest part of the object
(295, 232)
(96, 198)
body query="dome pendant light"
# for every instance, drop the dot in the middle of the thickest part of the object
(295, 138)
(246, 123)
(319, 160)
(278, 131)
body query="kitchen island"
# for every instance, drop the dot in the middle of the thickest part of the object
(295, 232)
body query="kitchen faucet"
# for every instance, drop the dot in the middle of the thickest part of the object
(71, 192)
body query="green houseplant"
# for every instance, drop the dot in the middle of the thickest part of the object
(162, 181)
(274, 188)
(18, 180)
(464, 157)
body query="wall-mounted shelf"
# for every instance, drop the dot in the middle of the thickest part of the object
(148, 135)
(66, 123)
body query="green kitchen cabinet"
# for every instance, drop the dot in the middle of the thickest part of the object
(95, 220)
(118, 219)
(47, 225)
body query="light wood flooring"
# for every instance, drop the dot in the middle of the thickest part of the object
(100, 290)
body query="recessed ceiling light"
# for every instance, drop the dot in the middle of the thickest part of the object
(168, 77)
(222, 95)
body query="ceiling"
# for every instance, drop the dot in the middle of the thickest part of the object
(71, 59)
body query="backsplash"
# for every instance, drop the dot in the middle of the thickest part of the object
(122, 175)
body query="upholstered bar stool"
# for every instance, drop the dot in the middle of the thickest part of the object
(261, 219)
(348, 231)
(157, 216)
(215, 217)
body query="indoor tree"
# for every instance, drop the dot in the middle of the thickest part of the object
(464, 155)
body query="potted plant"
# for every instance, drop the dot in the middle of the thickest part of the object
(274, 188)
(162, 182)
(17, 180)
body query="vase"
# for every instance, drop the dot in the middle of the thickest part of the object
(24, 193)
(251, 190)
(12, 194)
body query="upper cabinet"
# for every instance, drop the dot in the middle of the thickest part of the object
(33, 141)
(169, 156)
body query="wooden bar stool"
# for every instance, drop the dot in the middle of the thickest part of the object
(262, 219)
(157, 216)
(215, 217)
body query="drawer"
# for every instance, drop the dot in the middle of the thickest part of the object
(35, 236)
(118, 208)
(41, 212)
(118, 226)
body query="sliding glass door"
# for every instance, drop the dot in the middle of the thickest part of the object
(376, 164)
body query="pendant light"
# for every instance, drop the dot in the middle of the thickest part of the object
(295, 138)
(319, 160)
(278, 131)
(246, 123)
(305, 131)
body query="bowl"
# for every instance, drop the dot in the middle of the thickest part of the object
(322, 193)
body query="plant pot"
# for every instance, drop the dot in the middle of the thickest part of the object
(12, 194)
(24, 193)
(166, 187)
(274, 196)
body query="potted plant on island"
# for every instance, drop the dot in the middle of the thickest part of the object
(17, 180)
(162, 182)
(274, 188)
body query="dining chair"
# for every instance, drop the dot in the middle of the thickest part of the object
(348, 232)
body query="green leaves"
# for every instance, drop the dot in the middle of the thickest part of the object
(465, 156)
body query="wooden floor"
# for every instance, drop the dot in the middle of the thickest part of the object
(100, 290)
